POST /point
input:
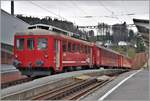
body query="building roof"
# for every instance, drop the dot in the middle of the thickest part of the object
(143, 29)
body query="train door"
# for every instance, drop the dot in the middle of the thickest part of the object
(100, 59)
(57, 55)
(30, 51)
(120, 61)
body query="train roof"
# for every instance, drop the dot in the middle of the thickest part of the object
(110, 50)
(50, 28)
(51, 33)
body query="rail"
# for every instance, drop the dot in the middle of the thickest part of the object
(58, 86)
(15, 82)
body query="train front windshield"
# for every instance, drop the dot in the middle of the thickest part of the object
(42, 43)
(20, 44)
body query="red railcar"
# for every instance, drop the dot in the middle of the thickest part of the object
(43, 52)
(104, 57)
(107, 58)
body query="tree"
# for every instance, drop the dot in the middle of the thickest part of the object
(131, 35)
(140, 45)
(65, 25)
(104, 32)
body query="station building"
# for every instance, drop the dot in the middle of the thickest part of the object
(9, 25)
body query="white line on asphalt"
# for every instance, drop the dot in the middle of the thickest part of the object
(110, 91)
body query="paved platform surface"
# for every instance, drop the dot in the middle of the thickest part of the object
(7, 68)
(45, 80)
(134, 88)
(10, 73)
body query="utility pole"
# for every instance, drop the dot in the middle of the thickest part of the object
(12, 7)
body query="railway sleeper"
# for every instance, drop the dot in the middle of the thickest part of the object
(75, 88)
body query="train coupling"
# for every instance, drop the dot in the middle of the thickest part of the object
(16, 63)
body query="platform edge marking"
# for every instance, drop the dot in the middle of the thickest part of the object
(114, 88)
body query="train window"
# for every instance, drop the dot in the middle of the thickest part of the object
(30, 44)
(69, 47)
(78, 48)
(32, 27)
(43, 27)
(42, 43)
(82, 49)
(86, 49)
(74, 47)
(89, 50)
(20, 44)
(64, 46)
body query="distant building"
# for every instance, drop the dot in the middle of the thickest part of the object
(122, 43)
(120, 32)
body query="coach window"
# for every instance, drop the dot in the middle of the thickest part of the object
(86, 49)
(74, 47)
(20, 44)
(64, 46)
(42, 43)
(69, 47)
(89, 50)
(78, 48)
(30, 44)
(82, 49)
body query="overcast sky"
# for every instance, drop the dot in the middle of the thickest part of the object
(83, 12)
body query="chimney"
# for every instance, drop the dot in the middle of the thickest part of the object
(12, 7)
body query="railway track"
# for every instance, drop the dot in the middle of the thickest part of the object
(86, 91)
(69, 88)
(16, 82)
(72, 91)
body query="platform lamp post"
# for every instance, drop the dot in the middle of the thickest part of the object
(12, 8)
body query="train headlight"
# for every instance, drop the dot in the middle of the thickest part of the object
(46, 56)
(16, 56)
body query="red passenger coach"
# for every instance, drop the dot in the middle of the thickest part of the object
(105, 57)
(42, 52)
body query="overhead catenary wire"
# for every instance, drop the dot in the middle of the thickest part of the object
(112, 12)
(82, 10)
(47, 10)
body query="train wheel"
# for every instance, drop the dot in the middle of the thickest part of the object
(29, 76)
(65, 70)
(70, 69)
(51, 71)
(78, 68)
(74, 68)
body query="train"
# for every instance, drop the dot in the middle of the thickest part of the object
(45, 50)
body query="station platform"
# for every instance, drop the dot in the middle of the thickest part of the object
(5, 68)
(10, 73)
(133, 85)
